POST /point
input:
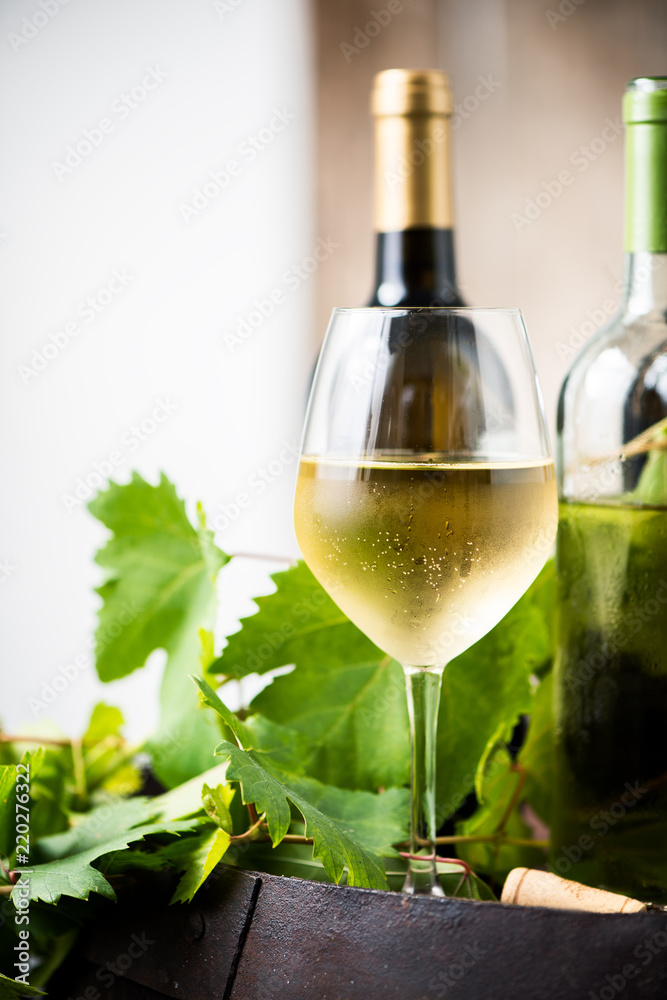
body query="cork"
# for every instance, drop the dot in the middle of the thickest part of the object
(528, 887)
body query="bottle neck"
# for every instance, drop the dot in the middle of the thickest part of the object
(413, 211)
(415, 267)
(645, 287)
(645, 206)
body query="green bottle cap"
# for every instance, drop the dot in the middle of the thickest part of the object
(645, 114)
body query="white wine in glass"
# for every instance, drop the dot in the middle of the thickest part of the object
(426, 499)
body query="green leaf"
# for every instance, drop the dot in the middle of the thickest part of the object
(106, 756)
(216, 803)
(52, 787)
(332, 845)
(159, 593)
(75, 876)
(7, 810)
(376, 822)
(31, 763)
(200, 862)
(95, 828)
(161, 573)
(651, 486)
(10, 989)
(213, 701)
(183, 745)
(282, 747)
(537, 753)
(105, 721)
(486, 689)
(344, 696)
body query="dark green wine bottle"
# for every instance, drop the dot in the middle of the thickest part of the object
(609, 826)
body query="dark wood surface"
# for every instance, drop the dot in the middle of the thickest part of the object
(251, 936)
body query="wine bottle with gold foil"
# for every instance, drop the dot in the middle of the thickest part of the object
(609, 826)
(415, 263)
(415, 267)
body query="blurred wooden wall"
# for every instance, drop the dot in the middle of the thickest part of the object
(344, 140)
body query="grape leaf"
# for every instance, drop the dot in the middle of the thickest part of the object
(106, 756)
(183, 745)
(200, 862)
(161, 571)
(30, 765)
(345, 696)
(216, 802)
(7, 810)
(51, 792)
(213, 700)
(74, 875)
(651, 486)
(537, 753)
(331, 844)
(376, 822)
(282, 747)
(10, 989)
(94, 828)
(159, 593)
(486, 689)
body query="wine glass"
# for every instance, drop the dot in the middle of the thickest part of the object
(426, 499)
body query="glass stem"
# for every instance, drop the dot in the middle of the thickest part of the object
(423, 699)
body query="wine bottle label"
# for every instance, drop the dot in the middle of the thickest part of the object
(412, 182)
(645, 114)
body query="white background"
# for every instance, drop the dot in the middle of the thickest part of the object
(163, 336)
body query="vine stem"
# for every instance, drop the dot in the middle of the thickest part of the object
(251, 829)
(521, 771)
(109, 742)
(467, 870)
(494, 838)
(295, 838)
